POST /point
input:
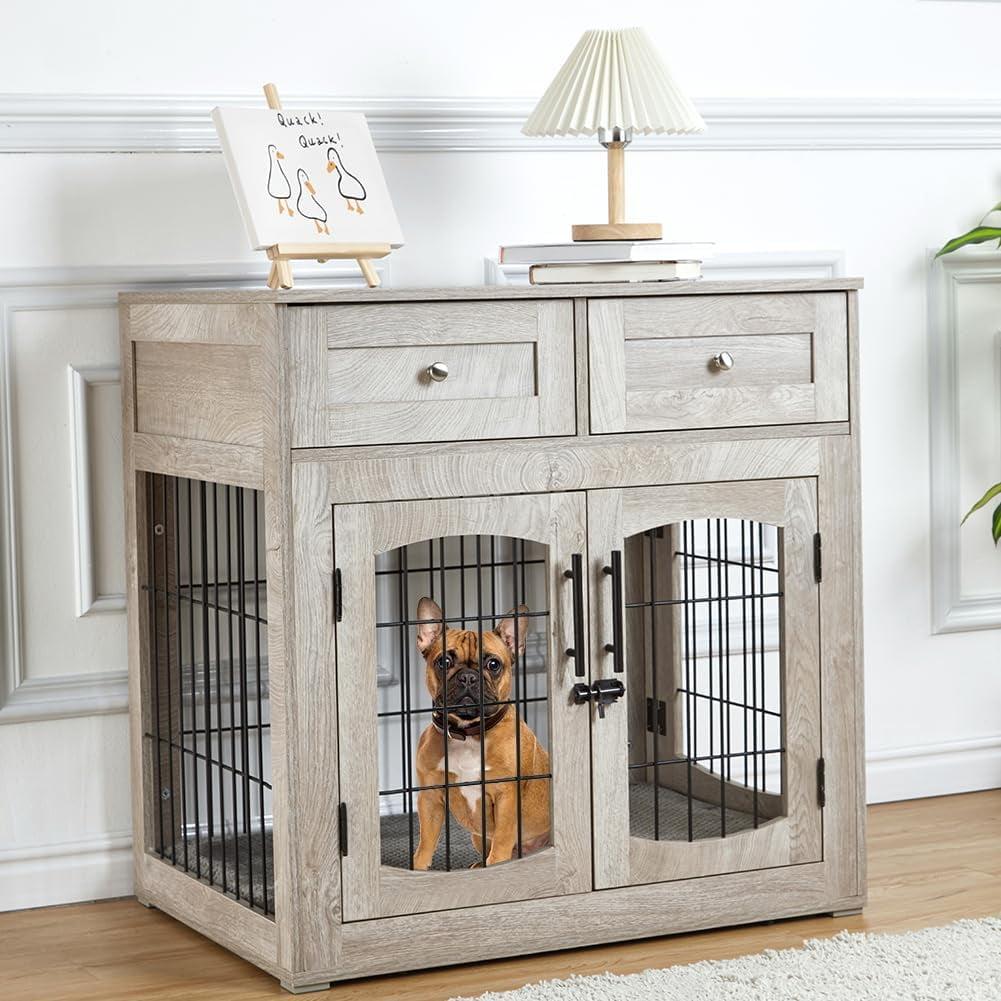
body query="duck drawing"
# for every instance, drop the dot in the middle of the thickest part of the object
(278, 184)
(348, 186)
(307, 204)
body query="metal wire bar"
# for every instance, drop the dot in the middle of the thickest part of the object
(207, 701)
(217, 800)
(694, 601)
(735, 703)
(199, 756)
(180, 665)
(212, 606)
(461, 565)
(693, 760)
(726, 560)
(464, 783)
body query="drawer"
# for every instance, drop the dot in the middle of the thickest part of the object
(360, 372)
(652, 367)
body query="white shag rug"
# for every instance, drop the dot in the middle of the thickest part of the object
(960, 962)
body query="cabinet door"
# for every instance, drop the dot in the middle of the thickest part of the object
(513, 768)
(708, 764)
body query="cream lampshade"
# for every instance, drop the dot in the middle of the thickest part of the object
(614, 85)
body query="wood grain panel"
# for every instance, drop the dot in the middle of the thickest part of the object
(570, 464)
(512, 372)
(724, 315)
(219, 321)
(476, 372)
(831, 357)
(650, 361)
(841, 648)
(430, 324)
(433, 420)
(210, 912)
(209, 392)
(239, 465)
(615, 290)
(731, 406)
(684, 362)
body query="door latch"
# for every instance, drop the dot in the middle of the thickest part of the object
(605, 691)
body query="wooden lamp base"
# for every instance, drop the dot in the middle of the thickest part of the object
(616, 228)
(583, 232)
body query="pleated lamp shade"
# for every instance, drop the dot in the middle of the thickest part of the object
(613, 80)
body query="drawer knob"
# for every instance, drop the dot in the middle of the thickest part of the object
(438, 371)
(723, 361)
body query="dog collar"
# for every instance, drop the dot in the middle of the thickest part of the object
(461, 733)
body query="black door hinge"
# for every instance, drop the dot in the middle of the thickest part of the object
(656, 717)
(821, 783)
(817, 553)
(342, 827)
(338, 596)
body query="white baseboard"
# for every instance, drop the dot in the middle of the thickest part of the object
(89, 869)
(933, 769)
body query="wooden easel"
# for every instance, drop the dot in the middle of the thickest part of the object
(280, 275)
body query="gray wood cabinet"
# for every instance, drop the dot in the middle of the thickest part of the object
(640, 506)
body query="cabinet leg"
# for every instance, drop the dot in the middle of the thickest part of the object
(849, 912)
(146, 904)
(305, 988)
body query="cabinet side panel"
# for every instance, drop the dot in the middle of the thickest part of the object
(210, 392)
(841, 677)
(135, 571)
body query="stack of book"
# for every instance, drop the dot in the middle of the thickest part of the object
(609, 261)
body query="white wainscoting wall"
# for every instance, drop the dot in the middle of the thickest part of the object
(111, 181)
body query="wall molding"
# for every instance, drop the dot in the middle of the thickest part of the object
(937, 769)
(88, 600)
(92, 868)
(63, 123)
(39, 694)
(951, 610)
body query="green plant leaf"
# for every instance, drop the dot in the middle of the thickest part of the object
(979, 234)
(991, 493)
(996, 524)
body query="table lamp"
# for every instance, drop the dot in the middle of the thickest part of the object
(614, 85)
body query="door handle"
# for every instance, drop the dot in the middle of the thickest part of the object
(576, 574)
(605, 691)
(615, 648)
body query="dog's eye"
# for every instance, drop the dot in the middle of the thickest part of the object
(445, 662)
(493, 665)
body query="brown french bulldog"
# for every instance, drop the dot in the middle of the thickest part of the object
(458, 671)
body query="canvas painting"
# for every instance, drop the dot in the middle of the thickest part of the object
(306, 177)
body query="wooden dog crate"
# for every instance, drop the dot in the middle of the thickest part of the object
(638, 504)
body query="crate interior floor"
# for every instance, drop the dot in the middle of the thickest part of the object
(673, 826)
(251, 866)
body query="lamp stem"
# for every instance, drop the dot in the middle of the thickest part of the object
(616, 182)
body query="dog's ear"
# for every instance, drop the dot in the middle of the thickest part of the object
(427, 631)
(506, 631)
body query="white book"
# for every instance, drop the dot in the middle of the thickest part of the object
(605, 250)
(615, 271)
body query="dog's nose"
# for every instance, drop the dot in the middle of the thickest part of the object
(467, 679)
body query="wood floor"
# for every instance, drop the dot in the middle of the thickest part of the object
(930, 862)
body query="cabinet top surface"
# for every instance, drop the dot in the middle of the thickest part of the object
(319, 296)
